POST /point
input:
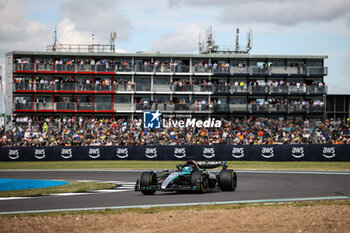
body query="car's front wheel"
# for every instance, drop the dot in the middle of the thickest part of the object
(147, 179)
(200, 180)
(228, 180)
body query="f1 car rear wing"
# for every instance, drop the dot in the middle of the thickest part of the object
(212, 164)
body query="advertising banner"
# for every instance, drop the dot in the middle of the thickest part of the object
(197, 152)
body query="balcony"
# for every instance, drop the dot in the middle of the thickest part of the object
(49, 106)
(23, 106)
(306, 108)
(171, 108)
(124, 87)
(42, 87)
(270, 108)
(85, 106)
(46, 67)
(108, 68)
(162, 88)
(85, 68)
(124, 107)
(23, 67)
(163, 69)
(65, 106)
(317, 71)
(172, 88)
(286, 70)
(67, 87)
(65, 67)
(124, 68)
(23, 87)
(104, 106)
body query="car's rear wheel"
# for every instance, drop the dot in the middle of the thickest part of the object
(200, 178)
(228, 180)
(147, 179)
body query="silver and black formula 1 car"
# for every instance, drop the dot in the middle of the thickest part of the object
(189, 177)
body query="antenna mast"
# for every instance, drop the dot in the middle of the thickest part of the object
(58, 47)
(54, 47)
(112, 39)
(209, 45)
(237, 41)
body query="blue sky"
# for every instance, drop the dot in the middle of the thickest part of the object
(312, 27)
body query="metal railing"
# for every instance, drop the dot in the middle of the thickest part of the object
(65, 67)
(43, 67)
(65, 106)
(23, 66)
(171, 107)
(171, 68)
(213, 88)
(23, 106)
(44, 106)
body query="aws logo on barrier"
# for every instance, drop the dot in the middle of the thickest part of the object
(66, 153)
(180, 153)
(238, 152)
(13, 154)
(298, 152)
(209, 153)
(151, 153)
(94, 153)
(39, 153)
(267, 152)
(328, 152)
(122, 153)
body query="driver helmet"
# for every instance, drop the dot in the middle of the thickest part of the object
(187, 169)
(191, 162)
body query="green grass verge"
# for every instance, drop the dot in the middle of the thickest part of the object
(71, 187)
(183, 208)
(135, 164)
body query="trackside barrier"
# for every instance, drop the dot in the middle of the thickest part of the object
(320, 152)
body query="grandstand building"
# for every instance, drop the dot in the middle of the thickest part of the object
(338, 106)
(107, 84)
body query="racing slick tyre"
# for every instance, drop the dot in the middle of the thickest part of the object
(148, 178)
(228, 180)
(200, 178)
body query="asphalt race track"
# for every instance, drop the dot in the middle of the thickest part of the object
(253, 186)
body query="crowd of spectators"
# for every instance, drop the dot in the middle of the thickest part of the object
(203, 85)
(76, 131)
(162, 65)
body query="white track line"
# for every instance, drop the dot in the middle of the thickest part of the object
(125, 186)
(182, 204)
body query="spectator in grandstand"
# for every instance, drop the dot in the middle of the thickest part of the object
(90, 131)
